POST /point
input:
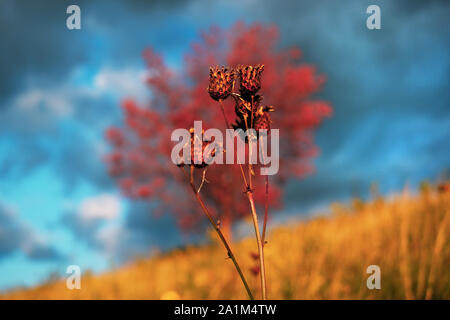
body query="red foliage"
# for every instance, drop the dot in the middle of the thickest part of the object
(140, 159)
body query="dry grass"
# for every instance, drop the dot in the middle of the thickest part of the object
(324, 258)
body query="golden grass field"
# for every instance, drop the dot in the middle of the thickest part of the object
(322, 258)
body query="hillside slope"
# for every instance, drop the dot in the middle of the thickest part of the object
(324, 258)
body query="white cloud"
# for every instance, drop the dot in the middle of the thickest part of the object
(101, 207)
(127, 82)
(51, 101)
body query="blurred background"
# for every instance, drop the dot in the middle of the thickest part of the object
(61, 89)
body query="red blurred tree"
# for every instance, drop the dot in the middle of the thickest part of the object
(140, 160)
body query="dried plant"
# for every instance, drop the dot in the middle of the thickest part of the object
(250, 115)
(141, 152)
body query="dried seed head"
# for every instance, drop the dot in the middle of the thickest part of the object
(221, 82)
(261, 120)
(198, 158)
(250, 79)
(243, 108)
(261, 117)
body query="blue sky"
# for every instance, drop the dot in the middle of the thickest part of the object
(60, 89)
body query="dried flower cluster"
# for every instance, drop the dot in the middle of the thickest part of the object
(200, 157)
(140, 149)
(259, 119)
(250, 113)
(248, 109)
(250, 78)
(140, 155)
(221, 83)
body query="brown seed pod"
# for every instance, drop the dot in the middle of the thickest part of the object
(250, 79)
(197, 155)
(221, 82)
(243, 107)
(261, 121)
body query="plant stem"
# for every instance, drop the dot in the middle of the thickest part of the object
(266, 204)
(219, 232)
(249, 193)
(266, 211)
(260, 246)
(250, 141)
(229, 127)
(262, 268)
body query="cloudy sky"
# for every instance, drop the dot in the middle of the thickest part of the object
(59, 90)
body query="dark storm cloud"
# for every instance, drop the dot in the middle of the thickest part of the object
(388, 87)
(40, 58)
(16, 236)
(34, 41)
(36, 135)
